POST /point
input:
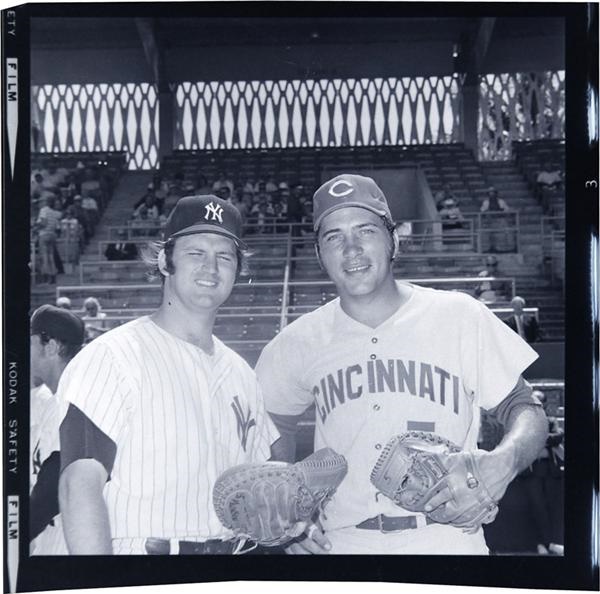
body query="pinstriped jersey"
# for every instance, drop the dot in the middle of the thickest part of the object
(431, 366)
(178, 416)
(43, 440)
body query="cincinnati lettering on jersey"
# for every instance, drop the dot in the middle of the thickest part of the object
(410, 378)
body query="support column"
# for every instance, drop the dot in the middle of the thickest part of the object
(470, 116)
(166, 123)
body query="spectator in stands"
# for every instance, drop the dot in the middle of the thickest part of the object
(444, 194)
(122, 249)
(64, 303)
(93, 318)
(149, 192)
(306, 220)
(176, 187)
(261, 214)
(81, 215)
(224, 193)
(271, 185)
(202, 185)
(69, 190)
(247, 185)
(161, 191)
(72, 234)
(48, 227)
(260, 187)
(450, 215)
(90, 186)
(37, 185)
(149, 206)
(89, 204)
(493, 203)
(493, 206)
(526, 326)
(549, 178)
(53, 177)
(143, 223)
(221, 181)
(279, 208)
(543, 482)
(295, 202)
(489, 291)
(241, 204)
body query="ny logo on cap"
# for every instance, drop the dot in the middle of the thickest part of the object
(215, 210)
(341, 183)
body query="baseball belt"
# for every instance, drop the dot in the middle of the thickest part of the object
(385, 523)
(161, 546)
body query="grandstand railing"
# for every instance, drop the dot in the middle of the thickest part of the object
(460, 282)
(427, 235)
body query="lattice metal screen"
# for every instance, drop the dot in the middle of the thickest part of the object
(298, 113)
(99, 117)
(519, 106)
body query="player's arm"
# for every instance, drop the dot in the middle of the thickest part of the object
(525, 431)
(284, 449)
(87, 456)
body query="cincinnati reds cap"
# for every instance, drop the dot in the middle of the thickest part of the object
(204, 214)
(346, 190)
(60, 324)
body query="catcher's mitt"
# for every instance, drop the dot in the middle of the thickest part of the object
(415, 466)
(267, 502)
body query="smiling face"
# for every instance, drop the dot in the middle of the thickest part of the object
(356, 251)
(205, 267)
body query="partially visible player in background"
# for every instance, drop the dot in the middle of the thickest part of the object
(388, 357)
(56, 337)
(158, 408)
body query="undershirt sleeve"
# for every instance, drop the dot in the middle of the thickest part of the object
(81, 439)
(520, 394)
(43, 502)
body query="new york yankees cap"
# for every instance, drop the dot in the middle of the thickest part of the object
(346, 190)
(204, 214)
(58, 323)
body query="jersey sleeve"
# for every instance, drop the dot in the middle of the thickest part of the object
(94, 383)
(279, 370)
(266, 433)
(494, 357)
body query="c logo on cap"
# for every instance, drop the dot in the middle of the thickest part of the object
(349, 188)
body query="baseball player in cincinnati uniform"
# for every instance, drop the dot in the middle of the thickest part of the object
(384, 358)
(157, 409)
(56, 337)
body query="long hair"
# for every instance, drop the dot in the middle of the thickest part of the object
(150, 252)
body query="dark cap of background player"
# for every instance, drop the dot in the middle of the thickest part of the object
(349, 190)
(54, 322)
(204, 214)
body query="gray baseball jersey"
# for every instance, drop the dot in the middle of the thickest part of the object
(429, 367)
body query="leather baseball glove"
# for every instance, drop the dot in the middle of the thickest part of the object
(271, 503)
(415, 466)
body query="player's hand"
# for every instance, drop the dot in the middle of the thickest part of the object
(312, 542)
(496, 468)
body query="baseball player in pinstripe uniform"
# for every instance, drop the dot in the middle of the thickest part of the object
(388, 357)
(157, 409)
(56, 337)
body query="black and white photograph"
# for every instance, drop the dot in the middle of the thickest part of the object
(287, 282)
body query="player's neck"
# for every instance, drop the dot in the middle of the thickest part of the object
(54, 376)
(195, 328)
(374, 309)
